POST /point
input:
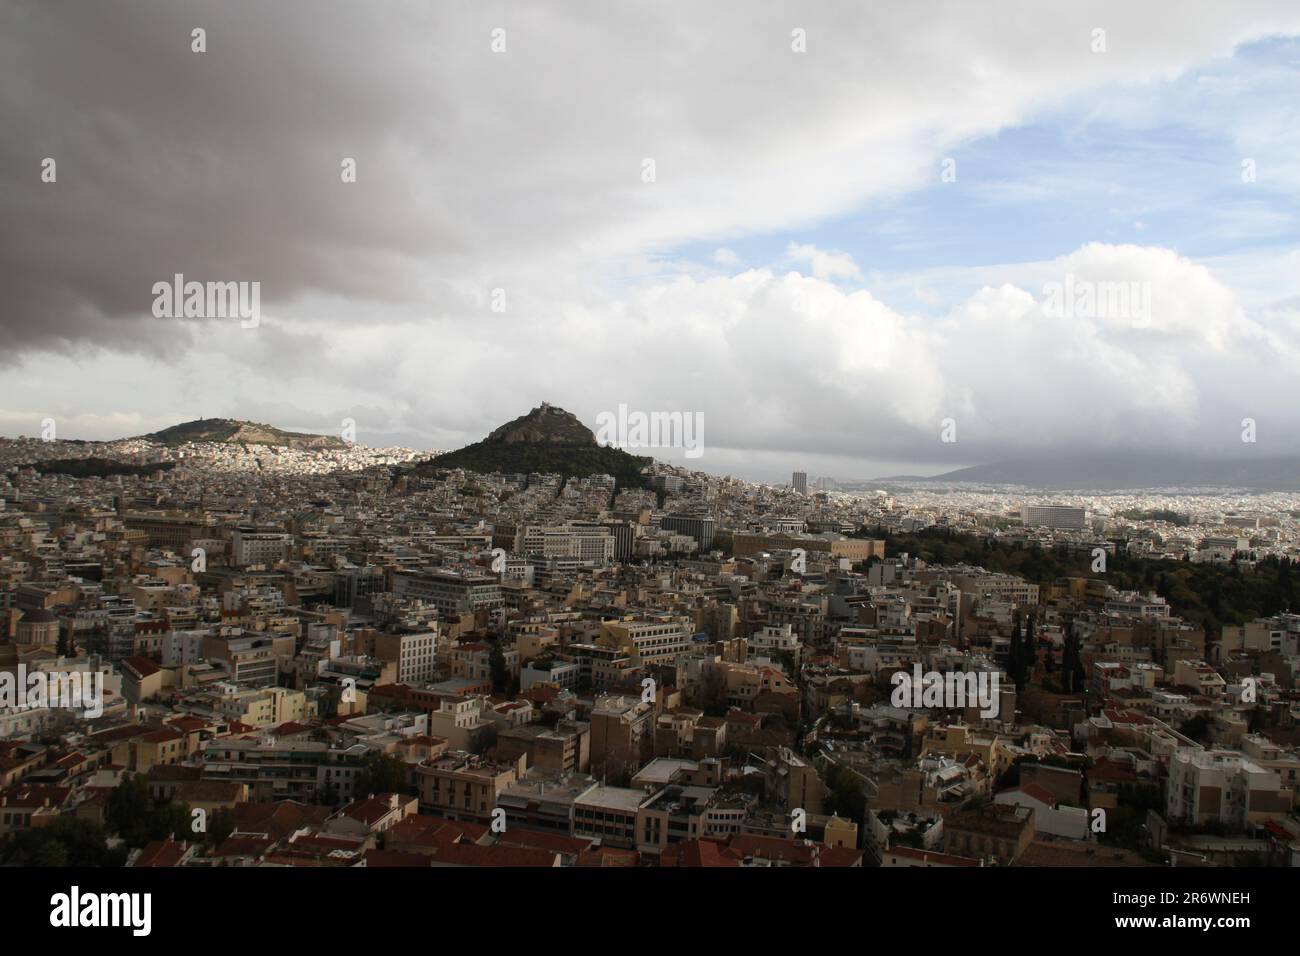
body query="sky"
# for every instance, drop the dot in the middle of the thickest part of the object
(839, 235)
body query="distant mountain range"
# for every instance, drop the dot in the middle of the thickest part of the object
(548, 440)
(551, 440)
(235, 432)
(1112, 473)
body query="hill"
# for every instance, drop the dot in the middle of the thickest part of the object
(547, 440)
(233, 431)
(1110, 473)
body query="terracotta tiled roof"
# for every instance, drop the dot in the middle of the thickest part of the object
(471, 854)
(929, 856)
(545, 841)
(699, 853)
(1104, 770)
(388, 858)
(772, 848)
(278, 819)
(839, 856)
(427, 831)
(368, 811)
(254, 846)
(140, 667)
(162, 853)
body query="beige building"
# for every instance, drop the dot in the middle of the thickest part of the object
(648, 642)
(462, 786)
(609, 814)
(836, 546)
(414, 653)
(564, 747)
(622, 734)
(997, 832)
(460, 721)
(266, 707)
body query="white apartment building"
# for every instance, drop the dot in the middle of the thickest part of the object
(775, 638)
(1223, 786)
(248, 546)
(590, 544)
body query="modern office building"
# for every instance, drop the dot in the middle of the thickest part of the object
(700, 527)
(1054, 516)
(451, 592)
(250, 546)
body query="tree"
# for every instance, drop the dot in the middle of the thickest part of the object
(497, 666)
(220, 827)
(1197, 728)
(138, 819)
(1071, 665)
(383, 773)
(1030, 646)
(845, 796)
(66, 841)
(129, 809)
(1257, 723)
(711, 692)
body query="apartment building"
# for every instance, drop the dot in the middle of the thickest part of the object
(251, 659)
(562, 674)
(415, 654)
(1223, 786)
(544, 799)
(564, 747)
(463, 786)
(999, 832)
(473, 661)
(772, 639)
(460, 721)
(650, 641)
(609, 814)
(265, 707)
(249, 546)
(283, 769)
(592, 544)
(622, 733)
(999, 587)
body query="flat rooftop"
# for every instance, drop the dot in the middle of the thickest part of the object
(626, 799)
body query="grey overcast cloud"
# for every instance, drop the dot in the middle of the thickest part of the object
(826, 228)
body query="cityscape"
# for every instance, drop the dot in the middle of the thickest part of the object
(471, 439)
(366, 657)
